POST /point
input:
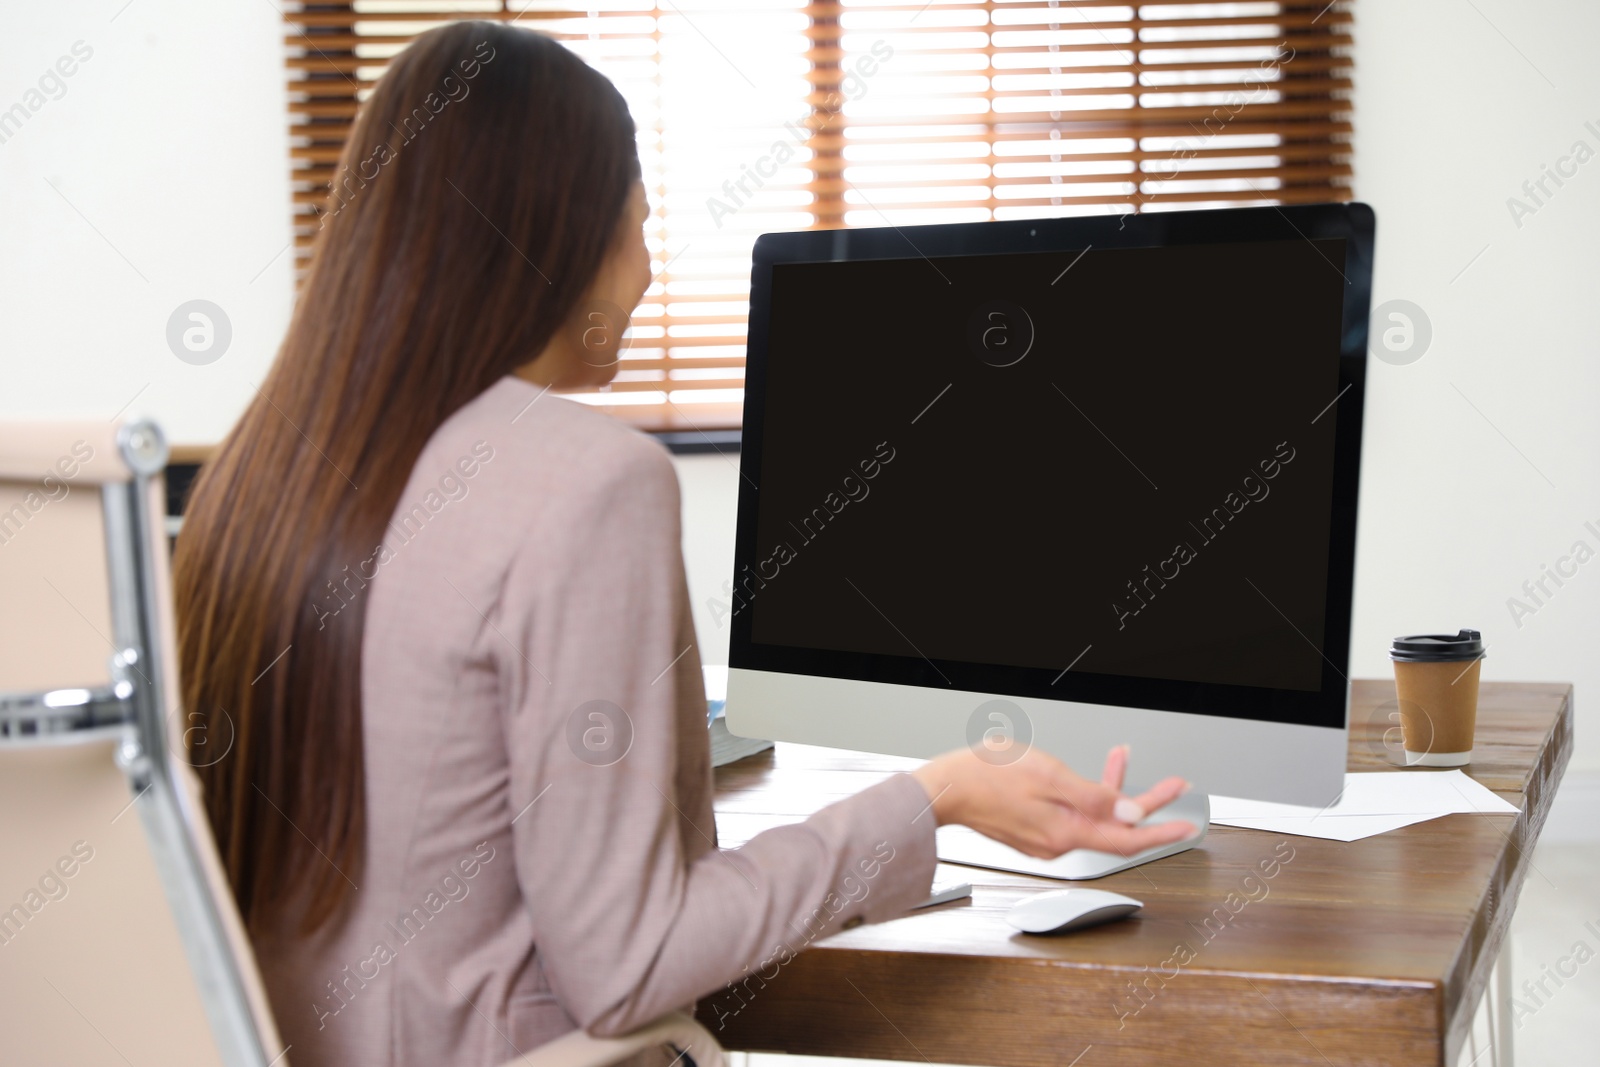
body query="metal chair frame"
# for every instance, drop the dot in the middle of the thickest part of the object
(135, 707)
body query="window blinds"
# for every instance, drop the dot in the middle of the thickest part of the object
(760, 115)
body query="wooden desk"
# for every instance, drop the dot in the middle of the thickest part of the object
(1372, 952)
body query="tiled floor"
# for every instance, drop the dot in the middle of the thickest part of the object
(1556, 929)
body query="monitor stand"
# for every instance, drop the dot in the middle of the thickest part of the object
(957, 844)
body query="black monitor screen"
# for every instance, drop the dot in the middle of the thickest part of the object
(1113, 461)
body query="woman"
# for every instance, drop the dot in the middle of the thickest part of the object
(443, 615)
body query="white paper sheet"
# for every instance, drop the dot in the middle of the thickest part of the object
(1372, 803)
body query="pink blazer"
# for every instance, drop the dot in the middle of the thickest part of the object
(541, 852)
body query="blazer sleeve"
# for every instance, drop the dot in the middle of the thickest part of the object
(635, 911)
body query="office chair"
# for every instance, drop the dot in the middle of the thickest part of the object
(119, 939)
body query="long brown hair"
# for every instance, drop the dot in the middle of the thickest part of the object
(477, 198)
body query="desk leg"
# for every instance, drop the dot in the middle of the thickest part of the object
(1501, 1024)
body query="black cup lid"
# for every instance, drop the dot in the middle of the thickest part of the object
(1438, 648)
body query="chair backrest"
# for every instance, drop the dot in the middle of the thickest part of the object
(119, 939)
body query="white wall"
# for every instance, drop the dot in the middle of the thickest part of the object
(710, 487)
(1461, 506)
(168, 156)
(170, 140)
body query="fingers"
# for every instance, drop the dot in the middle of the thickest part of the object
(1093, 801)
(1039, 806)
(1116, 768)
(1136, 809)
(1161, 794)
(1104, 800)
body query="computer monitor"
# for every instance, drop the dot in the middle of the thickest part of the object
(1082, 480)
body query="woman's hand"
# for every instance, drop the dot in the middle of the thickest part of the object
(1039, 806)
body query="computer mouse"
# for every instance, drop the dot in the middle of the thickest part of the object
(1069, 909)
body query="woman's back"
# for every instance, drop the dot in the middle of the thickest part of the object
(538, 781)
(461, 604)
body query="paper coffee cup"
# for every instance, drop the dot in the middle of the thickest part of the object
(1436, 681)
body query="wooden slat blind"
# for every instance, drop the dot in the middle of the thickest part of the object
(759, 115)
